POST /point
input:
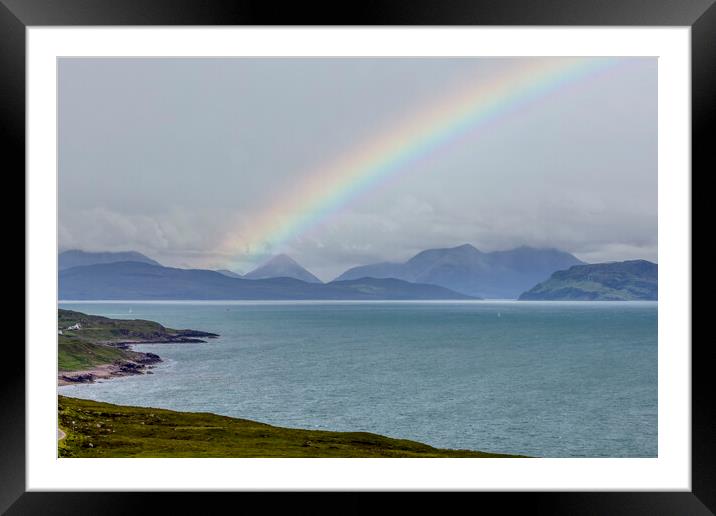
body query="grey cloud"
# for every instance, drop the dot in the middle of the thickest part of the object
(170, 157)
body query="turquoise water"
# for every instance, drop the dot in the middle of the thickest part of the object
(548, 379)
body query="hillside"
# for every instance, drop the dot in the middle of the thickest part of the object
(97, 429)
(618, 281)
(230, 274)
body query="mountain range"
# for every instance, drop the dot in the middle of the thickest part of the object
(461, 272)
(497, 275)
(138, 280)
(76, 258)
(617, 281)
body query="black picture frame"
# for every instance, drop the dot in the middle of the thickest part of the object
(700, 15)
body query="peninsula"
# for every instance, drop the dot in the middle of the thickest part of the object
(92, 347)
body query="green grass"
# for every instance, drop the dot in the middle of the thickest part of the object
(97, 429)
(98, 329)
(75, 354)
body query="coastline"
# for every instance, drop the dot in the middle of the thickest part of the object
(228, 378)
(105, 349)
(214, 435)
(92, 348)
(87, 431)
(110, 371)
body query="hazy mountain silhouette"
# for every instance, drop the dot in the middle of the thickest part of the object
(615, 281)
(282, 266)
(76, 258)
(499, 274)
(142, 281)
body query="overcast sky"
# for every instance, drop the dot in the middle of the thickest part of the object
(177, 158)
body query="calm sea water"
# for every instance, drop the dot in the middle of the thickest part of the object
(543, 379)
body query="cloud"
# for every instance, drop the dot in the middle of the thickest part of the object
(176, 158)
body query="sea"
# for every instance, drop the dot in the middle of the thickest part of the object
(544, 379)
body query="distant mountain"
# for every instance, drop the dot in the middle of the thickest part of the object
(618, 281)
(389, 288)
(76, 258)
(282, 266)
(142, 281)
(230, 274)
(499, 274)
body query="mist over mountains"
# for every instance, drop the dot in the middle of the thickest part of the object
(77, 258)
(461, 272)
(499, 274)
(282, 266)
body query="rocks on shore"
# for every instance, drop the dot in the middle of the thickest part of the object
(140, 365)
(197, 333)
(136, 366)
(185, 337)
(78, 378)
(148, 358)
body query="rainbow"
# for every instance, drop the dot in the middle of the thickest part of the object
(329, 188)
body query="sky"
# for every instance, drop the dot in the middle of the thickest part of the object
(338, 162)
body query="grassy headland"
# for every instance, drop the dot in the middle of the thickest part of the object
(122, 332)
(97, 429)
(91, 346)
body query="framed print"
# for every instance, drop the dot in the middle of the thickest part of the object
(409, 249)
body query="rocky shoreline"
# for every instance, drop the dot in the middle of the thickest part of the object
(179, 337)
(142, 364)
